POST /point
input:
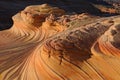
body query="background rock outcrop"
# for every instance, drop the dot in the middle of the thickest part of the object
(103, 8)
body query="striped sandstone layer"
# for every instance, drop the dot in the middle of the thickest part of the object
(44, 43)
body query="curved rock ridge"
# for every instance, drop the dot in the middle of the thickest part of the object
(44, 43)
(35, 15)
(109, 43)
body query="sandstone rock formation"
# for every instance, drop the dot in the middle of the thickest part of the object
(52, 45)
(35, 15)
(103, 8)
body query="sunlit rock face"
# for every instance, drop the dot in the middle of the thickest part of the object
(35, 15)
(45, 43)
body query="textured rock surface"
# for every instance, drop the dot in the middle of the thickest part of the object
(10, 8)
(35, 15)
(62, 47)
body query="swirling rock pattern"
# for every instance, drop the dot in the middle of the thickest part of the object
(52, 46)
(35, 15)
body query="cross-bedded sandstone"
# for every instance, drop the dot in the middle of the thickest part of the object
(45, 44)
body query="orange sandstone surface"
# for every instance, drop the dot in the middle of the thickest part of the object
(45, 43)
